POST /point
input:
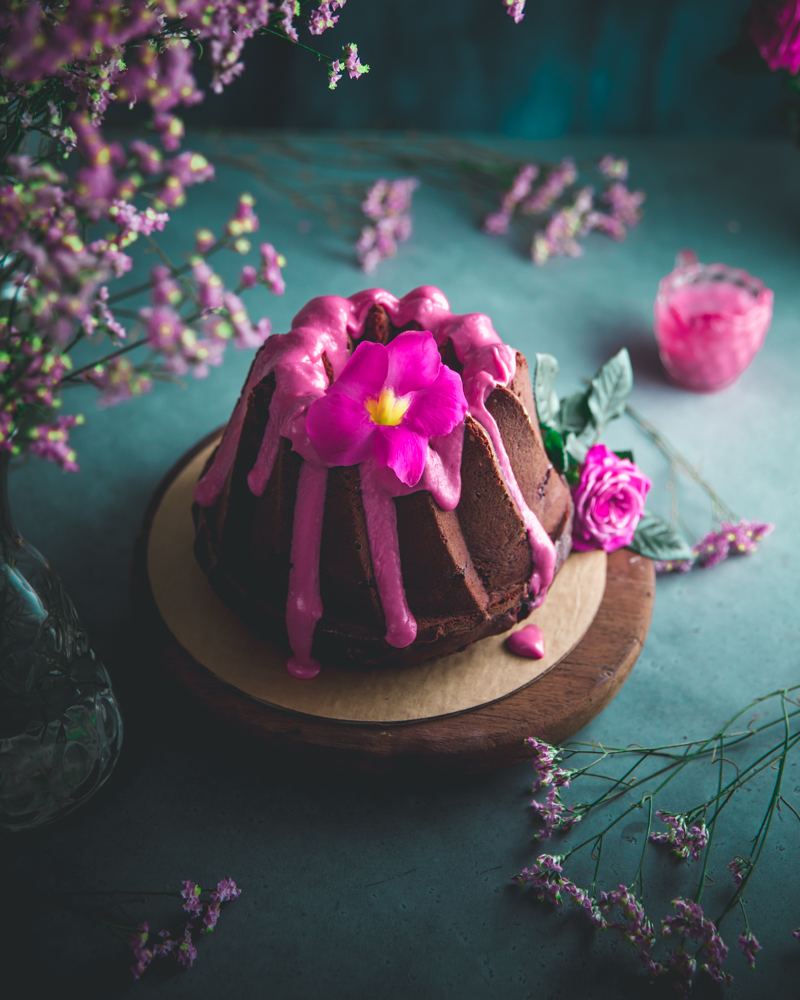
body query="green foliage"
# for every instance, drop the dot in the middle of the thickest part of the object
(657, 539)
(572, 425)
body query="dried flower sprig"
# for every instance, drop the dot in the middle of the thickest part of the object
(61, 64)
(570, 211)
(387, 205)
(693, 940)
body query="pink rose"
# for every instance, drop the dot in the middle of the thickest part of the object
(609, 501)
(775, 28)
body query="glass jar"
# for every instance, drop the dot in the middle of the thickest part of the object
(60, 724)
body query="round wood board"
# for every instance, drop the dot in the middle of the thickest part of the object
(490, 736)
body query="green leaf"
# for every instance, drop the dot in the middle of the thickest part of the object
(573, 413)
(577, 447)
(625, 454)
(554, 446)
(657, 539)
(609, 390)
(543, 392)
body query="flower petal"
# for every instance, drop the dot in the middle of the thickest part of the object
(364, 375)
(439, 408)
(401, 450)
(414, 362)
(340, 429)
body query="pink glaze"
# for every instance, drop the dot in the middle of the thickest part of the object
(529, 642)
(384, 550)
(304, 605)
(322, 327)
(710, 322)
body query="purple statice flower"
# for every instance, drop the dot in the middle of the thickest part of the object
(603, 223)
(148, 159)
(739, 868)
(118, 381)
(634, 927)
(138, 945)
(191, 896)
(323, 17)
(352, 64)
(796, 933)
(625, 204)
(186, 952)
(497, 223)
(270, 270)
(51, 442)
(246, 337)
(712, 549)
(749, 947)
(334, 73)
(684, 841)
(387, 203)
(559, 238)
(210, 287)
(210, 917)
(248, 276)
(690, 922)
(244, 220)
(744, 536)
(543, 758)
(673, 565)
(190, 168)
(613, 168)
(554, 814)
(226, 887)
(170, 129)
(171, 194)
(549, 883)
(204, 240)
(165, 291)
(680, 967)
(289, 9)
(515, 9)
(558, 180)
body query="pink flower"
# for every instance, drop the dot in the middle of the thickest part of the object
(684, 841)
(775, 28)
(191, 895)
(515, 9)
(749, 947)
(386, 404)
(609, 501)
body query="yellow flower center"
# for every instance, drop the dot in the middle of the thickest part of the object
(387, 409)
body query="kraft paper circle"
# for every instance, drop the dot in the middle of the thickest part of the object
(212, 634)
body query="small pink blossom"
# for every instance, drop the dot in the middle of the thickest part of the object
(323, 17)
(738, 868)
(749, 947)
(615, 169)
(352, 64)
(684, 841)
(334, 74)
(118, 381)
(689, 921)
(497, 223)
(386, 404)
(609, 501)
(515, 9)
(625, 204)
(51, 442)
(558, 180)
(774, 25)
(270, 270)
(191, 895)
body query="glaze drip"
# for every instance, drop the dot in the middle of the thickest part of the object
(528, 642)
(302, 360)
(304, 605)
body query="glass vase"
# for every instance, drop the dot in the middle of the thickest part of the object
(60, 724)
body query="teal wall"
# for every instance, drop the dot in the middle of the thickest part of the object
(570, 67)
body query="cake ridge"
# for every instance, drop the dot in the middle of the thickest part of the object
(323, 331)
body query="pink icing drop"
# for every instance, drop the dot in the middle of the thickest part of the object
(322, 327)
(304, 605)
(384, 549)
(529, 642)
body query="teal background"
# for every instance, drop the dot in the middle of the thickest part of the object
(359, 891)
(571, 67)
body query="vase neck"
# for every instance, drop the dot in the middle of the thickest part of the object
(8, 528)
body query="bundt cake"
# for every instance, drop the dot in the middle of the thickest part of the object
(381, 494)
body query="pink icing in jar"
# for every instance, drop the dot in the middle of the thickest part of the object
(710, 322)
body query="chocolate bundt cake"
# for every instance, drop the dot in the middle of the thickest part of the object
(433, 518)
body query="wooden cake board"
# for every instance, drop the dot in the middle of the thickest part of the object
(486, 736)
